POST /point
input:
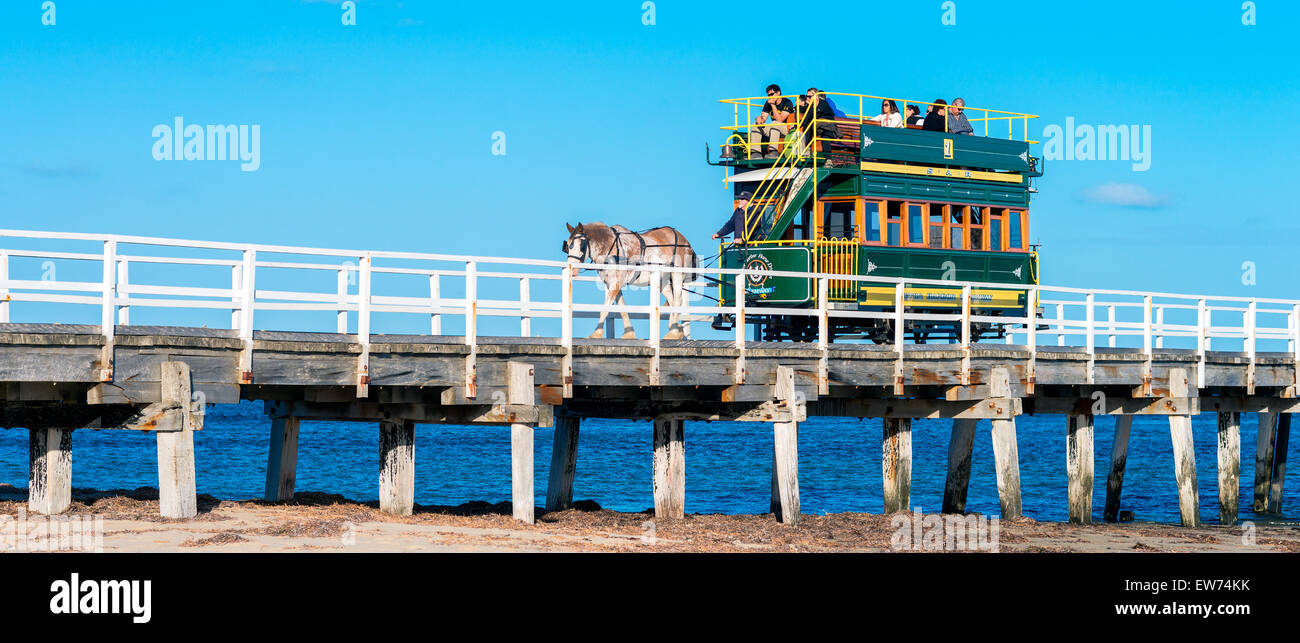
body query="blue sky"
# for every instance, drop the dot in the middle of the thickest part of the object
(379, 135)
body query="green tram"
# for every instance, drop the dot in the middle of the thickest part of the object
(859, 198)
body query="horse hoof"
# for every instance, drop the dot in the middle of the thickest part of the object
(673, 334)
(597, 334)
(629, 334)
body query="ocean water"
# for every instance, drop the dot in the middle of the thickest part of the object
(727, 464)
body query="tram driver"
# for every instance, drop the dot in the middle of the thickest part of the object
(735, 225)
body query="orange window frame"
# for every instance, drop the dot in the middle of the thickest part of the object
(859, 217)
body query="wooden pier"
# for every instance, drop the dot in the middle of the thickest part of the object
(56, 379)
(162, 377)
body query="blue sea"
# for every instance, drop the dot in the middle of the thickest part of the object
(727, 464)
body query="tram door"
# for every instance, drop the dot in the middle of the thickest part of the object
(836, 241)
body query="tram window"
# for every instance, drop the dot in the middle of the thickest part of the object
(936, 226)
(871, 213)
(955, 231)
(893, 223)
(838, 219)
(1014, 236)
(976, 215)
(995, 230)
(915, 223)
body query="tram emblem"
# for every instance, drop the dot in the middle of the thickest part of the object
(755, 281)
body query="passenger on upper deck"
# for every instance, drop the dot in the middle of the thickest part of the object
(913, 115)
(771, 125)
(957, 123)
(934, 121)
(818, 111)
(735, 225)
(889, 116)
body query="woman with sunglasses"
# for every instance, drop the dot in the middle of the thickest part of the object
(889, 116)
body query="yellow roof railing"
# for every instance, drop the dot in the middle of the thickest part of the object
(752, 106)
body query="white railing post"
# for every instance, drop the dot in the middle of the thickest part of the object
(1146, 326)
(435, 299)
(1110, 322)
(108, 316)
(1060, 324)
(740, 327)
(341, 290)
(566, 329)
(123, 289)
(247, 302)
(236, 288)
(1090, 340)
(108, 310)
(965, 335)
(4, 287)
(900, 301)
(1202, 341)
(1031, 329)
(525, 321)
(364, 289)
(1295, 344)
(1250, 323)
(656, 281)
(471, 328)
(823, 335)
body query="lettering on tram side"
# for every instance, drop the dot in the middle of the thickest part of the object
(1098, 143)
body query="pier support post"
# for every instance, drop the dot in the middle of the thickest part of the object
(1118, 458)
(1280, 445)
(282, 461)
(397, 467)
(669, 468)
(1006, 456)
(1229, 466)
(1268, 422)
(564, 463)
(49, 485)
(519, 390)
(896, 464)
(1180, 431)
(177, 496)
(959, 451)
(1079, 466)
(785, 452)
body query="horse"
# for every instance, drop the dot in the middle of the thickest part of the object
(600, 243)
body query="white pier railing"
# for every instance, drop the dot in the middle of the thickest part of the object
(51, 277)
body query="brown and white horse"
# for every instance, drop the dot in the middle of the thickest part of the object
(603, 244)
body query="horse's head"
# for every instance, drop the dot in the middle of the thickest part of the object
(577, 247)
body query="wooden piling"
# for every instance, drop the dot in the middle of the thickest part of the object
(177, 495)
(1180, 431)
(959, 452)
(1006, 456)
(1118, 458)
(520, 391)
(669, 468)
(397, 467)
(785, 453)
(1079, 467)
(897, 464)
(1280, 445)
(564, 463)
(1229, 453)
(1268, 421)
(49, 485)
(282, 461)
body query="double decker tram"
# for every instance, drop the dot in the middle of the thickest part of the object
(858, 198)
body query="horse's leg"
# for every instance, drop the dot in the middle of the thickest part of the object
(628, 331)
(673, 293)
(600, 323)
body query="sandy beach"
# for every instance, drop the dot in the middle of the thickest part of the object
(317, 522)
